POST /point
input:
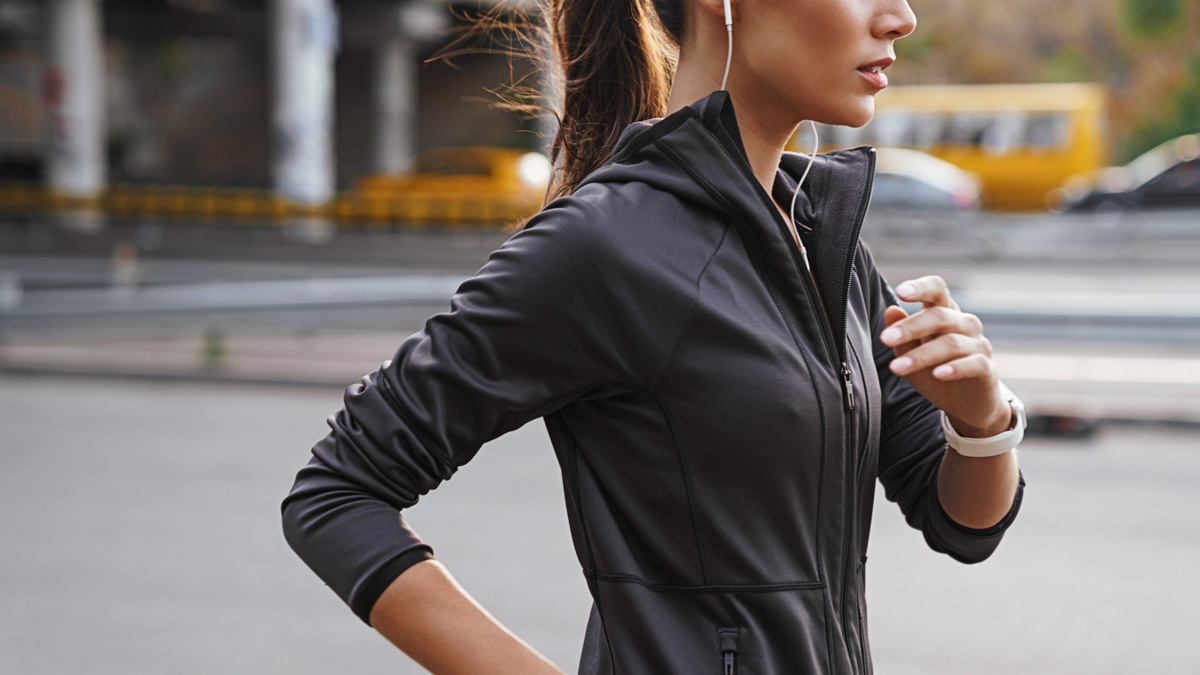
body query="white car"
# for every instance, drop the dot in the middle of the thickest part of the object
(910, 179)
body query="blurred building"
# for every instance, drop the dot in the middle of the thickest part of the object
(299, 96)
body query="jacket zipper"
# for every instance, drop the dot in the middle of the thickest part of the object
(837, 352)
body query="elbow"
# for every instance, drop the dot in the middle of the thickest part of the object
(288, 517)
(963, 547)
(291, 516)
(300, 509)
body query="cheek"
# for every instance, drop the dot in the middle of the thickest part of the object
(840, 27)
(824, 37)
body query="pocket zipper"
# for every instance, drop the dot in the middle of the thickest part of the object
(729, 638)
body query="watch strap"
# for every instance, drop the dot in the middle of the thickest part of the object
(992, 445)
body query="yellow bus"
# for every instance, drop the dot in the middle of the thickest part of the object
(1022, 140)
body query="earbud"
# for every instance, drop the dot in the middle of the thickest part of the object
(728, 14)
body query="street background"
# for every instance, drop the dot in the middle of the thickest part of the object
(148, 446)
(140, 522)
(215, 215)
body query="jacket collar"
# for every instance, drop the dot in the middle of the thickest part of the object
(697, 154)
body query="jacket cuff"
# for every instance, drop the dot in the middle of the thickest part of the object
(380, 579)
(968, 544)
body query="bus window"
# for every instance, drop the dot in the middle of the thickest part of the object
(968, 129)
(1003, 135)
(924, 130)
(1046, 131)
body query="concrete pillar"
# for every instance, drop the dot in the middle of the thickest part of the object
(398, 32)
(73, 91)
(395, 104)
(304, 43)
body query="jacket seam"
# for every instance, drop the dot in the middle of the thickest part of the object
(692, 173)
(688, 487)
(707, 587)
(577, 502)
(650, 135)
(691, 307)
(763, 270)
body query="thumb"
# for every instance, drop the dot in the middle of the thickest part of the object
(893, 314)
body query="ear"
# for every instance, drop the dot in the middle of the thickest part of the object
(717, 8)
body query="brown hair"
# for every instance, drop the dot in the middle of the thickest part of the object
(608, 63)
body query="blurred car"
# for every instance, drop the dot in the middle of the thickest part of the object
(1166, 177)
(914, 180)
(467, 172)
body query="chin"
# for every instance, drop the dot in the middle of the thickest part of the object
(859, 115)
(855, 114)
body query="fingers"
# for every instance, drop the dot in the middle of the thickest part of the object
(929, 322)
(961, 353)
(975, 365)
(930, 291)
(893, 314)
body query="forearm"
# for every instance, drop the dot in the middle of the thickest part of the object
(431, 618)
(977, 492)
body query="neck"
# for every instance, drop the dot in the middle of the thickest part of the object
(764, 129)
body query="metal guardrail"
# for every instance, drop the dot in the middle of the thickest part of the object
(480, 211)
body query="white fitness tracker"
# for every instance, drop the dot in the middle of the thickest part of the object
(993, 445)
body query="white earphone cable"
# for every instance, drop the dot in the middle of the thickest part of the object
(811, 158)
(728, 55)
(816, 143)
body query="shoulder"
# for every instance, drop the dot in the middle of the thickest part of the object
(628, 228)
(605, 245)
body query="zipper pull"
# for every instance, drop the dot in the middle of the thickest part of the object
(849, 386)
(729, 663)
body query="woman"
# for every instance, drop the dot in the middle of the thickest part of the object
(722, 381)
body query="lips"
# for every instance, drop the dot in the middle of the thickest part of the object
(877, 66)
(873, 72)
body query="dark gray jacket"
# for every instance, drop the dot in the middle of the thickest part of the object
(719, 424)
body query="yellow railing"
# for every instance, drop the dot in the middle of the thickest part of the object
(481, 211)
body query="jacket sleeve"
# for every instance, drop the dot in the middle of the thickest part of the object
(911, 445)
(551, 317)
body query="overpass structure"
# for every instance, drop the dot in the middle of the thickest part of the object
(304, 37)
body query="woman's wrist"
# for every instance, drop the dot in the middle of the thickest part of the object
(1001, 421)
(433, 620)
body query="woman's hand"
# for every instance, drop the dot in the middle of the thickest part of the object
(944, 355)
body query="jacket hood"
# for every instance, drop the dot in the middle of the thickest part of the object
(697, 154)
(705, 137)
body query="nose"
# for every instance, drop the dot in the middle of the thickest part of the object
(895, 20)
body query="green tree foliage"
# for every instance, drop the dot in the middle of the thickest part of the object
(1145, 51)
(1165, 32)
(1151, 20)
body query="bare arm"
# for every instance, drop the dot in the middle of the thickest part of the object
(431, 618)
(977, 492)
(944, 355)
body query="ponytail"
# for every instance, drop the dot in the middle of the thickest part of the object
(615, 61)
(608, 63)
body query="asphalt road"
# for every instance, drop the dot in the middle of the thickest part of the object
(140, 530)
